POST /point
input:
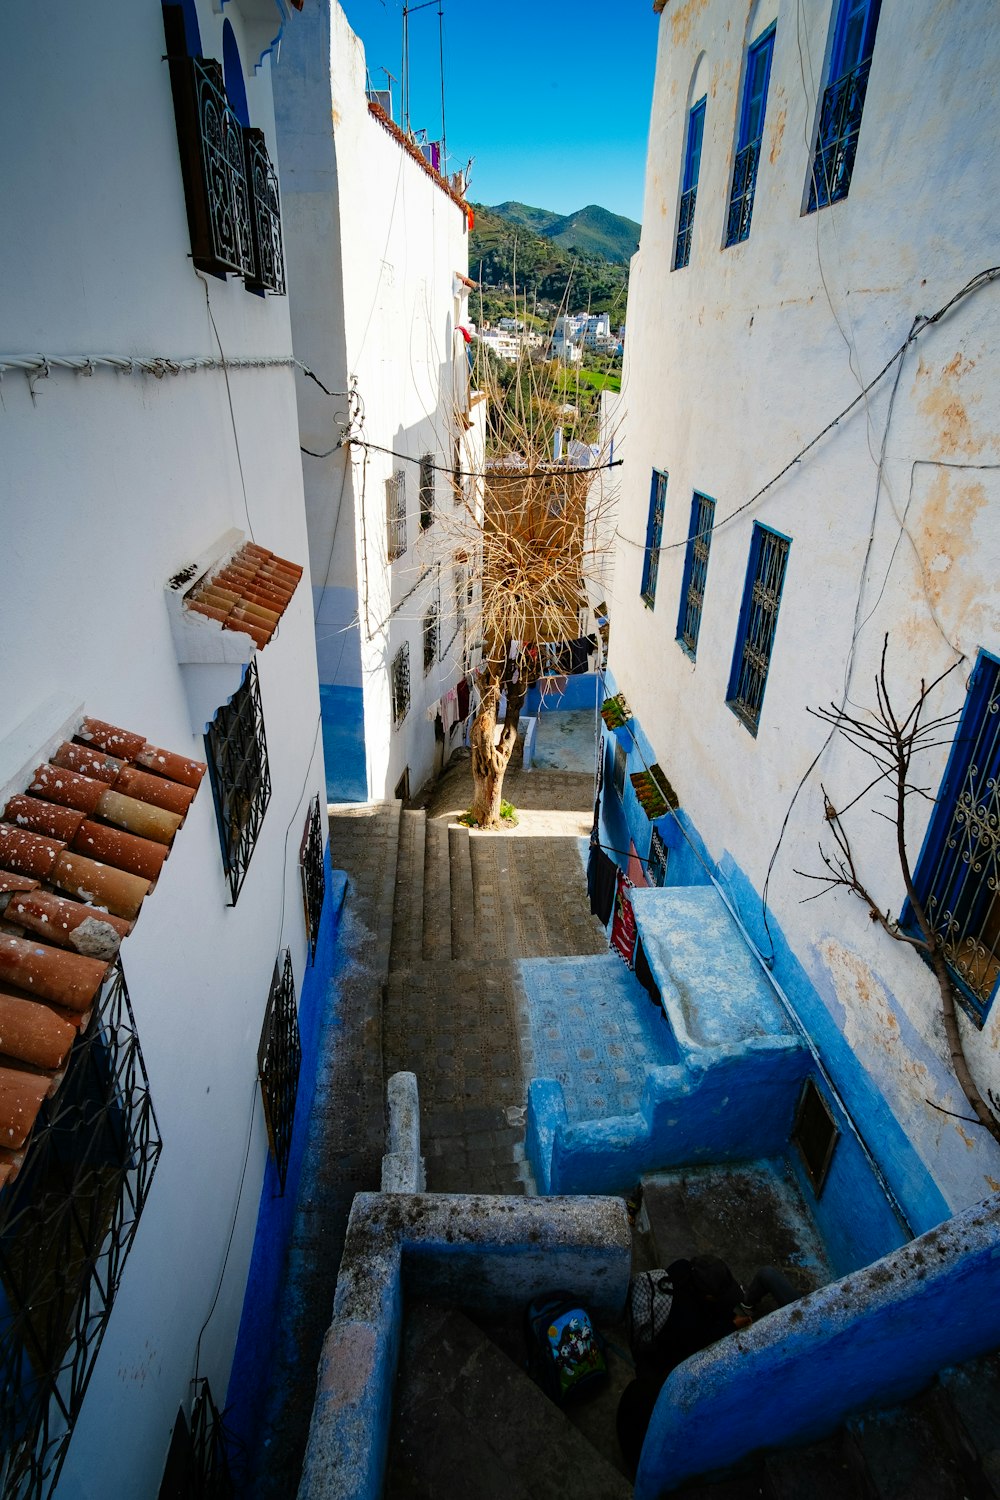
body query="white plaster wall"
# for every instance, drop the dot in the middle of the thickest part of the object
(109, 484)
(377, 312)
(733, 364)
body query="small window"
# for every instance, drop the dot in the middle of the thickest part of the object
(620, 768)
(689, 183)
(236, 750)
(843, 102)
(67, 1223)
(279, 1058)
(654, 536)
(957, 878)
(748, 140)
(395, 515)
(758, 622)
(695, 572)
(311, 867)
(657, 860)
(399, 683)
(814, 1135)
(426, 491)
(430, 637)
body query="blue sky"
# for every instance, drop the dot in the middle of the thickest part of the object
(551, 100)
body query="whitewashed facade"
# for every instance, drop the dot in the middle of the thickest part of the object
(377, 249)
(751, 379)
(115, 481)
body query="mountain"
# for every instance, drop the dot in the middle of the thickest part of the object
(589, 231)
(505, 253)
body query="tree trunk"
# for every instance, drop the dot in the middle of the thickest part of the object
(489, 760)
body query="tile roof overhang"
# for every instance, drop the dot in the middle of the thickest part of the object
(224, 606)
(83, 839)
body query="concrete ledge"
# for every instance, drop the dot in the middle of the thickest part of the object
(474, 1251)
(726, 1104)
(873, 1339)
(402, 1165)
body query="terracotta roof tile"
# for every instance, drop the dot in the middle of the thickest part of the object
(96, 823)
(250, 593)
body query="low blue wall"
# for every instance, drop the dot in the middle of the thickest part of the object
(871, 1340)
(275, 1214)
(724, 1105)
(585, 690)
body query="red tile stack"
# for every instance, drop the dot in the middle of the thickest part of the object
(79, 851)
(249, 593)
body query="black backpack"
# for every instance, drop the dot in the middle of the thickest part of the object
(565, 1350)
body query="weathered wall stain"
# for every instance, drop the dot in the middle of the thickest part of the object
(777, 132)
(682, 19)
(946, 409)
(945, 536)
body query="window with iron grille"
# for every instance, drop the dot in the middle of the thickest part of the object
(399, 683)
(395, 515)
(758, 621)
(748, 140)
(689, 183)
(695, 572)
(230, 185)
(279, 1057)
(197, 1466)
(426, 491)
(843, 102)
(236, 751)
(67, 1223)
(957, 878)
(620, 768)
(657, 859)
(313, 874)
(654, 535)
(430, 637)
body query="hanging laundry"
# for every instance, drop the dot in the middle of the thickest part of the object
(623, 924)
(449, 712)
(636, 872)
(463, 697)
(602, 873)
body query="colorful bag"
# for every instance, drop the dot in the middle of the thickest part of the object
(650, 1298)
(565, 1352)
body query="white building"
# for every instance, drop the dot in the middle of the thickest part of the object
(811, 372)
(151, 469)
(377, 247)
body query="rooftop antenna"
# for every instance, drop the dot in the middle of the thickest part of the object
(409, 10)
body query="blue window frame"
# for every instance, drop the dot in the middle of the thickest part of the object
(843, 102)
(748, 141)
(695, 572)
(957, 878)
(654, 534)
(689, 183)
(758, 621)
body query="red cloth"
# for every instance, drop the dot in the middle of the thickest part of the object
(623, 921)
(636, 873)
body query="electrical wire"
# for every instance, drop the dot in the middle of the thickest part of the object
(556, 470)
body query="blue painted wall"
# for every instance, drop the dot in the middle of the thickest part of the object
(275, 1214)
(343, 712)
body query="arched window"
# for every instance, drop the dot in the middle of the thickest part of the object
(232, 69)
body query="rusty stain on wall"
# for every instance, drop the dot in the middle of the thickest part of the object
(945, 537)
(682, 19)
(777, 132)
(946, 410)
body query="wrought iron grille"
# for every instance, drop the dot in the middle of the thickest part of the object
(313, 874)
(431, 633)
(654, 535)
(395, 515)
(620, 768)
(657, 859)
(67, 1223)
(214, 165)
(426, 491)
(685, 228)
(837, 137)
(695, 572)
(958, 876)
(197, 1466)
(758, 622)
(279, 1058)
(399, 683)
(741, 198)
(236, 750)
(265, 217)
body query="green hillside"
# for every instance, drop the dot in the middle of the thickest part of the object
(589, 231)
(538, 219)
(504, 253)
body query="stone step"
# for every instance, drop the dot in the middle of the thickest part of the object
(408, 904)
(467, 1417)
(919, 1452)
(364, 841)
(463, 914)
(974, 1391)
(437, 892)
